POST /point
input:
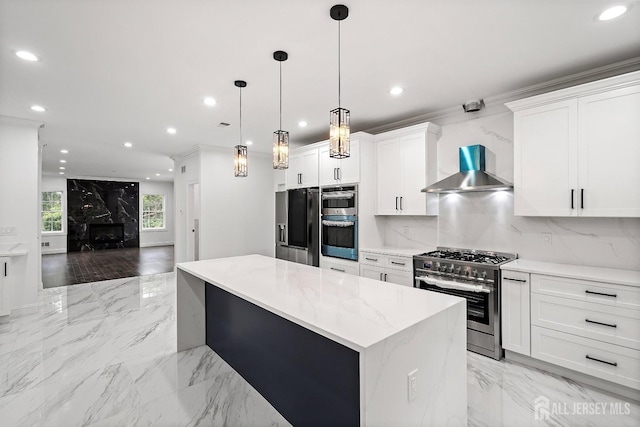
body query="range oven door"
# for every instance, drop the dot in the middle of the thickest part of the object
(340, 236)
(481, 300)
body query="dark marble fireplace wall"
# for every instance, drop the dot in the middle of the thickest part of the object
(101, 202)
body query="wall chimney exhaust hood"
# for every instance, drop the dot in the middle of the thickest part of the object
(472, 176)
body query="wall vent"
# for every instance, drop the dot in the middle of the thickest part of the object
(183, 169)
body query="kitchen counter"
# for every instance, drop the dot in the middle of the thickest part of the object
(610, 275)
(12, 249)
(379, 331)
(389, 250)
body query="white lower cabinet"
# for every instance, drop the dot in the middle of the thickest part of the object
(4, 284)
(516, 323)
(602, 360)
(387, 268)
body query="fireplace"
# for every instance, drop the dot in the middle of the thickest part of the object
(106, 235)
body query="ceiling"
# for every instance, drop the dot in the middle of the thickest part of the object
(118, 71)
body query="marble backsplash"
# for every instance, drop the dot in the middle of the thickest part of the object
(485, 220)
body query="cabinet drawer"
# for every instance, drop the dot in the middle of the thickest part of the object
(585, 290)
(610, 362)
(400, 263)
(372, 258)
(342, 268)
(614, 325)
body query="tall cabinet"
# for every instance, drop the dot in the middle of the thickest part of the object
(576, 150)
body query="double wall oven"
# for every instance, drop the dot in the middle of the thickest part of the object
(475, 276)
(340, 222)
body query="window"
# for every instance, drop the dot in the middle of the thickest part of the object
(152, 211)
(51, 211)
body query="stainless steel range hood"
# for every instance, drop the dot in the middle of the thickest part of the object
(472, 176)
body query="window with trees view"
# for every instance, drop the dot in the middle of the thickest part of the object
(51, 211)
(153, 211)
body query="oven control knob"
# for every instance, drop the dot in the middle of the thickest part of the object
(484, 274)
(451, 268)
(443, 268)
(474, 273)
(458, 269)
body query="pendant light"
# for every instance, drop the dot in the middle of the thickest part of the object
(240, 156)
(280, 137)
(339, 117)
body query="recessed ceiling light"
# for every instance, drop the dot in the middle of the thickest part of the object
(396, 90)
(27, 56)
(612, 13)
(210, 102)
(302, 124)
(172, 131)
(148, 178)
(170, 170)
(64, 151)
(61, 173)
(62, 168)
(157, 174)
(249, 143)
(38, 108)
(128, 144)
(63, 161)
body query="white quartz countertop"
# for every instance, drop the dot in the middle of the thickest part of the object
(608, 275)
(352, 310)
(12, 249)
(388, 250)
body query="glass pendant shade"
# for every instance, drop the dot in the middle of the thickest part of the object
(339, 133)
(240, 161)
(281, 149)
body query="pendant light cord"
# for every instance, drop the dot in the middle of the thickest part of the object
(339, 56)
(241, 117)
(280, 95)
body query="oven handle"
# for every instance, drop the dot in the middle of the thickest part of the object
(338, 195)
(453, 285)
(338, 223)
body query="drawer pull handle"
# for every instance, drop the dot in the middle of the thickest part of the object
(398, 263)
(337, 269)
(611, 325)
(602, 361)
(601, 293)
(371, 259)
(514, 280)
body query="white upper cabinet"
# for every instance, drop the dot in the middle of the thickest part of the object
(340, 171)
(406, 163)
(303, 169)
(576, 150)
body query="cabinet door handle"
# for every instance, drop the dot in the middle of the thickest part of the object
(514, 280)
(385, 277)
(582, 198)
(401, 203)
(397, 263)
(337, 269)
(334, 174)
(5, 269)
(572, 191)
(611, 325)
(396, 203)
(380, 276)
(371, 259)
(340, 173)
(601, 293)
(601, 361)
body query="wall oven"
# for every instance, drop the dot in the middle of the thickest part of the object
(340, 222)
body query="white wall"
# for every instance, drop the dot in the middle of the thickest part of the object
(237, 214)
(19, 206)
(158, 237)
(58, 240)
(183, 224)
(485, 220)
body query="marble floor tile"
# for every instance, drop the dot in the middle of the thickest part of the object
(103, 354)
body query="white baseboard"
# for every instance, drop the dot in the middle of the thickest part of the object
(151, 244)
(24, 310)
(53, 251)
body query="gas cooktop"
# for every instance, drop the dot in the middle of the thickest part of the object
(469, 255)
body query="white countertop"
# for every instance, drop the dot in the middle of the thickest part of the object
(12, 249)
(608, 275)
(355, 311)
(388, 250)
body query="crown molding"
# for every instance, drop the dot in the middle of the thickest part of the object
(17, 121)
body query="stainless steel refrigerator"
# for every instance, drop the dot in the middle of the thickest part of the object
(298, 226)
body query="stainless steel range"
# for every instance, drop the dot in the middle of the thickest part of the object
(474, 275)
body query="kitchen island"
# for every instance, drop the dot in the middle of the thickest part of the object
(327, 348)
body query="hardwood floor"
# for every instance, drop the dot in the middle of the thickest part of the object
(84, 267)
